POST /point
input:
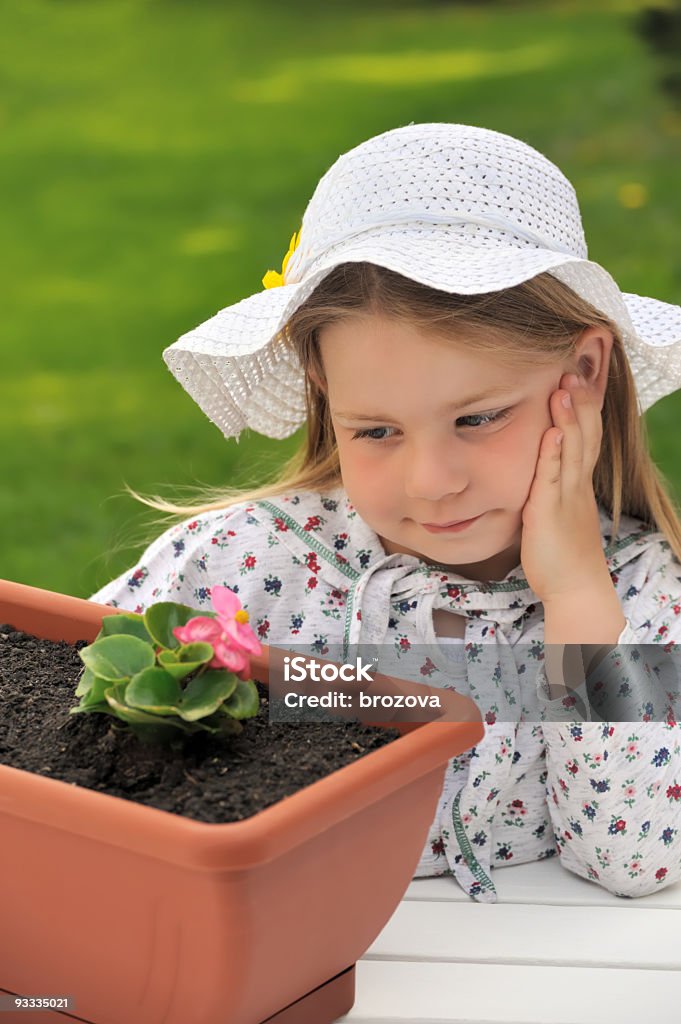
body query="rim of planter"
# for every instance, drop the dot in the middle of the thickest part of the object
(203, 845)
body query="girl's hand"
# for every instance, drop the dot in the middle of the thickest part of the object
(561, 548)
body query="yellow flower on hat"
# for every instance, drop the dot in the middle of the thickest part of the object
(272, 278)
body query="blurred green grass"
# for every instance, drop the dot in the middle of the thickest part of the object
(155, 158)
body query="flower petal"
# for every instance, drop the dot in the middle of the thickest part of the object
(247, 639)
(272, 279)
(225, 601)
(229, 656)
(200, 628)
(242, 636)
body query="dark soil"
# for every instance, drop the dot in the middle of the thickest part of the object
(211, 779)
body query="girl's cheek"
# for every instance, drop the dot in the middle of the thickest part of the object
(358, 465)
(351, 453)
(510, 453)
(363, 454)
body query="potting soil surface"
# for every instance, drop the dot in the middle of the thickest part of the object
(210, 779)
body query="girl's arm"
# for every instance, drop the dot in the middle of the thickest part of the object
(614, 787)
(614, 798)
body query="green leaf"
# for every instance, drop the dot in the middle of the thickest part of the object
(134, 715)
(129, 623)
(118, 657)
(95, 694)
(162, 618)
(154, 690)
(186, 659)
(85, 682)
(205, 694)
(198, 653)
(91, 689)
(104, 708)
(244, 702)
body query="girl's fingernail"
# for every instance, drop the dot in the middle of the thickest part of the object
(567, 401)
(559, 438)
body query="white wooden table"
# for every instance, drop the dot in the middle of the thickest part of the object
(555, 949)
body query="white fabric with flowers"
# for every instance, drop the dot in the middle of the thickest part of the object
(605, 796)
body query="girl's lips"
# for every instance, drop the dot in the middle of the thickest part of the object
(431, 528)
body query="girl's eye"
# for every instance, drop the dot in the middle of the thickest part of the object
(486, 417)
(489, 417)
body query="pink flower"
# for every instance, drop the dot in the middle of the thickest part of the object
(230, 635)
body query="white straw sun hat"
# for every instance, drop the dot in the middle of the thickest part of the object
(456, 207)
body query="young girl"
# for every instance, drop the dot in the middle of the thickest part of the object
(457, 358)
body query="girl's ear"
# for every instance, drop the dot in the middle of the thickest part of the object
(593, 359)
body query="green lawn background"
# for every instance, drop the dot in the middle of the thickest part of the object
(157, 157)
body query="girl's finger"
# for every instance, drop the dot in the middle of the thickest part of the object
(548, 472)
(572, 457)
(588, 414)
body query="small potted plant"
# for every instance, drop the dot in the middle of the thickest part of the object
(144, 916)
(173, 669)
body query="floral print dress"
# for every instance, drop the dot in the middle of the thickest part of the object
(551, 777)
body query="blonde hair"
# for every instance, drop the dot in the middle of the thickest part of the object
(536, 322)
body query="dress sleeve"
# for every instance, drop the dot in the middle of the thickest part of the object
(175, 565)
(614, 778)
(637, 681)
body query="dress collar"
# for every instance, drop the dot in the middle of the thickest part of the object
(326, 533)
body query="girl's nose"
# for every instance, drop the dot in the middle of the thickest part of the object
(434, 472)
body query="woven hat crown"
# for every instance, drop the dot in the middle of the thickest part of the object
(496, 187)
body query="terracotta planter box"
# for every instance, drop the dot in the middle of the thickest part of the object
(148, 917)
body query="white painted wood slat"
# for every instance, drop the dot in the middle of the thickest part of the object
(522, 933)
(426, 993)
(555, 949)
(543, 881)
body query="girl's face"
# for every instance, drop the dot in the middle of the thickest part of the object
(416, 446)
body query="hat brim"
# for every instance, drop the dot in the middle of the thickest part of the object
(650, 328)
(237, 369)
